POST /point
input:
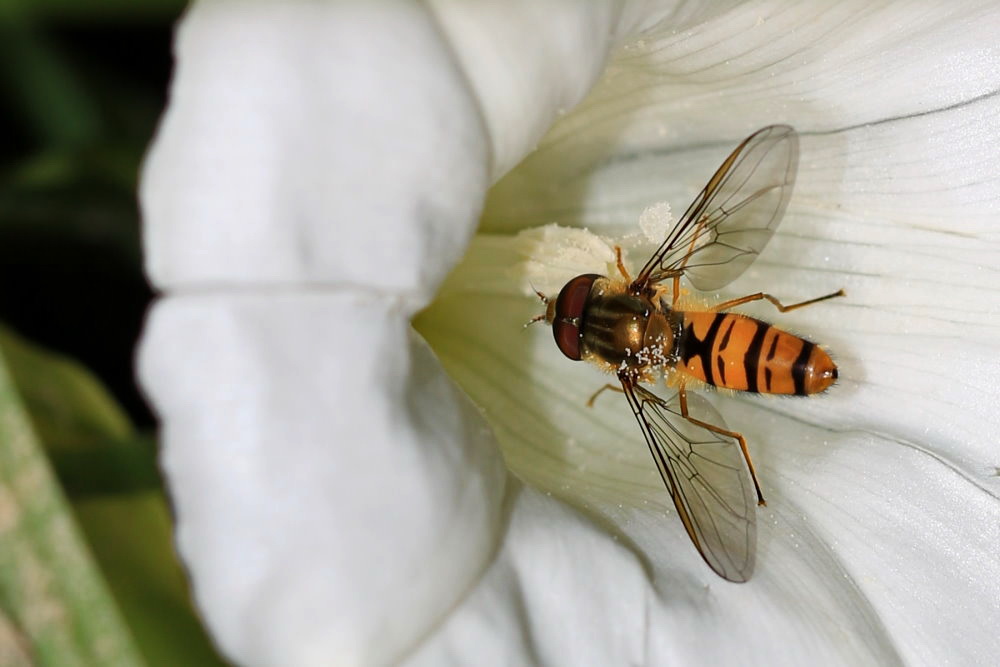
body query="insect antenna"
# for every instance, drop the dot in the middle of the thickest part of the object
(549, 308)
(541, 296)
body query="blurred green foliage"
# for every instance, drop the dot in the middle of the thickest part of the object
(85, 530)
(55, 605)
(81, 89)
(109, 475)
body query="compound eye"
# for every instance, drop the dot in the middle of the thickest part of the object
(570, 307)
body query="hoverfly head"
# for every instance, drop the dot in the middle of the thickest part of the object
(567, 314)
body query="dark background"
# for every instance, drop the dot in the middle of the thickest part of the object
(82, 88)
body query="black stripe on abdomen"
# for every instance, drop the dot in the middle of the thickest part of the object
(692, 346)
(752, 357)
(725, 338)
(799, 367)
(774, 348)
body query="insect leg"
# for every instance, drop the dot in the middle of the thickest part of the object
(682, 395)
(612, 387)
(621, 265)
(777, 304)
(694, 240)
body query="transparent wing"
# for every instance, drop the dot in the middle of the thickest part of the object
(733, 218)
(706, 477)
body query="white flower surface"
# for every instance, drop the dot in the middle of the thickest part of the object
(346, 493)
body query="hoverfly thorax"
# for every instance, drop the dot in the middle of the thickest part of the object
(598, 319)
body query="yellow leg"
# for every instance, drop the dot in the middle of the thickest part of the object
(612, 387)
(682, 394)
(621, 264)
(677, 278)
(777, 304)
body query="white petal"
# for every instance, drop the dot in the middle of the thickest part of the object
(330, 484)
(534, 607)
(319, 170)
(877, 541)
(853, 515)
(674, 101)
(530, 62)
(313, 142)
(273, 118)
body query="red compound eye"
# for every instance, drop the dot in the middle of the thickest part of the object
(570, 306)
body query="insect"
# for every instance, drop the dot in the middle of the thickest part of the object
(641, 328)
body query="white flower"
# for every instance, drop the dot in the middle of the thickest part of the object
(321, 169)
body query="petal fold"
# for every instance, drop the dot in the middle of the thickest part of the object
(531, 62)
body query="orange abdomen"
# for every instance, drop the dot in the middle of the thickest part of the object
(745, 354)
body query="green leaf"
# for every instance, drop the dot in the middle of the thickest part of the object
(58, 108)
(110, 474)
(51, 593)
(131, 539)
(89, 439)
(69, 408)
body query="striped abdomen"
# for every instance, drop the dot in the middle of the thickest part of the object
(741, 353)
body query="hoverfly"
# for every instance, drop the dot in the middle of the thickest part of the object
(642, 327)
